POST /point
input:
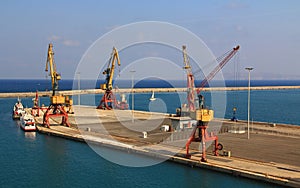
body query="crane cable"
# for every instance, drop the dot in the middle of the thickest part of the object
(210, 64)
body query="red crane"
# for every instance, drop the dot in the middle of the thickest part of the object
(203, 115)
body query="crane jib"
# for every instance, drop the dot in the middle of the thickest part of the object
(212, 74)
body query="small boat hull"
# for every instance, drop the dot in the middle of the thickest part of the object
(16, 116)
(27, 122)
(28, 128)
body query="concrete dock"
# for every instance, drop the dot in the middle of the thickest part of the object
(271, 154)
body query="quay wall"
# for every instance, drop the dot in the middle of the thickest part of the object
(235, 171)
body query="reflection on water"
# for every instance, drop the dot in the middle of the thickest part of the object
(18, 123)
(30, 135)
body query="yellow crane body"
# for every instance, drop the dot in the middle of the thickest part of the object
(204, 115)
(109, 72)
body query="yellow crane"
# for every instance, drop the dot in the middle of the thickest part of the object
(57, 102)
(55, 77)
(108, 100)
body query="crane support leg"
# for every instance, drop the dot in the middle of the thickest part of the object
(187, 145)
(108, 101)
(55, 110)
(203, 137)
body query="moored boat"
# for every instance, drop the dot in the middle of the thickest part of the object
(18, 110)
(27, 122)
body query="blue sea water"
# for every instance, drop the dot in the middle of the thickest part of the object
(37, 160)
(27, 85)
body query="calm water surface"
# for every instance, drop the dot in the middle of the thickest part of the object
(36, 160)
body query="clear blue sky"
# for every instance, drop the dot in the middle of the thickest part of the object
(268, 31)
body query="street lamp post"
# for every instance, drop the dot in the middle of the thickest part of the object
(78, 82)
(132, 94)
(248, 122)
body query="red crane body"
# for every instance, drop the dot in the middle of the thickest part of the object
(190, 80)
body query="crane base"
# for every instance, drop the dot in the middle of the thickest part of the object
(203, 138)
(55, 110)
(109, 102)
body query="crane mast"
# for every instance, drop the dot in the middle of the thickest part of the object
(190, 80)
(55, 77)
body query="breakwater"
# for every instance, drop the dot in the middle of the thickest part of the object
(141, 90)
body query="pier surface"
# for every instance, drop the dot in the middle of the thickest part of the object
(271, 154)
(142, 90)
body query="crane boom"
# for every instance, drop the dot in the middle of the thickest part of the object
(53, 73)
(109, 72)
(223, 62)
